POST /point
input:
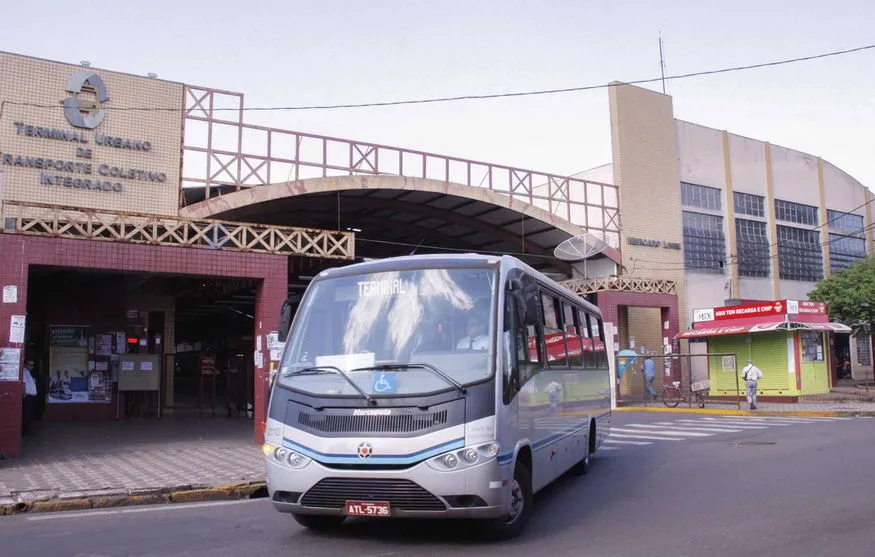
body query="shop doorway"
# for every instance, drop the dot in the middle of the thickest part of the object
(842, 358)
(214, 368)
(97, 339)
(640, 331)
(114, 345)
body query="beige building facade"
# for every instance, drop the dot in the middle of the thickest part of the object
(77, 137)
(729, 217)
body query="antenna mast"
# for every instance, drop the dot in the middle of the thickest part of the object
(661, 63)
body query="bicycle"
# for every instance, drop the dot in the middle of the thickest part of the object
(672, 395)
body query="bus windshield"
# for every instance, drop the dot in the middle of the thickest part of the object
(398, 332)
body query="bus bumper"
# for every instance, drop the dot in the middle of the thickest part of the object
(481, 491)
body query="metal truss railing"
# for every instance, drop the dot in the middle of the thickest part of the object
(65, 222)
(621, 284)
(219, 149)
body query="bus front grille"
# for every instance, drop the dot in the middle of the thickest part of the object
(332, 493)
(394, 423)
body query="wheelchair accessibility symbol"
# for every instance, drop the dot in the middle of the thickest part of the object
(384, 383)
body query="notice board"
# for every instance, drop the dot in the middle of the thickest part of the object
(139, 372)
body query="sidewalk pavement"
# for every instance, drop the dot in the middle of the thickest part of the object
(825, 408)
(87, 465)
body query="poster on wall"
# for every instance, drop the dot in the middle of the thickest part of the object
(274, 346)
(103, 345)
(10, 294)
(10, 362)
(16, 329)
(68, 335)
(70, 381)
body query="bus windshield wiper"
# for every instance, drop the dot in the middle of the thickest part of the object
(416, 365)
(314, 370)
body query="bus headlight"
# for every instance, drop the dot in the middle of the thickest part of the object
(297, 460)
(288, 457)
(464, 457)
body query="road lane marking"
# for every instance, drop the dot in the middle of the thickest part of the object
(767, 422)
(132, 510)
(694, 423)
(714, 429)
(685, 427)
(790, 419)
(623, 436)
(618, 442)
(738, 422)
(629, 428)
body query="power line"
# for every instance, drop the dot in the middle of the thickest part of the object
(669, 266)
(471, 97)
(769, 246)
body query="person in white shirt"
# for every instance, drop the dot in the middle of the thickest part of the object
(28, 406)
(476, 339)
(751, 375)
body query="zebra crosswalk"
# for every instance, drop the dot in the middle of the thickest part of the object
(681, 429)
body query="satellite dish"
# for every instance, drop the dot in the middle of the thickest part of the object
(581, 247)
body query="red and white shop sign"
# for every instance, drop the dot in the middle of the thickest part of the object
(794, 307)
(759, 309)
(750, 310)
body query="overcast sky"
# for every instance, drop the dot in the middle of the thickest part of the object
(316, 52)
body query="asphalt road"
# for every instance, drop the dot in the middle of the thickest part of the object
(774, 489)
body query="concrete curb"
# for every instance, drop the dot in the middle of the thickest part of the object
(735, 412)
(244, 490)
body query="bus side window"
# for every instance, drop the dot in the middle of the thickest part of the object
(523, 352)
(572, 335)
(603, 352)
(554, 336)
(600, 357)
(589, 356)
(509, 351)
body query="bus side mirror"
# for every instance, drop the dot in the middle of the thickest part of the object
(532, 310)
(525, 293)
(519, 306)
(285, 320)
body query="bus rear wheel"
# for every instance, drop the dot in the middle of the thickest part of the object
(513, 524)
(582, 467)
(318, 521)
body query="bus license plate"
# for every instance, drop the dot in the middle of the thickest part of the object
(367, 508)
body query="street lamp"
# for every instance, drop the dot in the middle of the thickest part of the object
(867, 310)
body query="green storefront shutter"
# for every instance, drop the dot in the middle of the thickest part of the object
(768, 351)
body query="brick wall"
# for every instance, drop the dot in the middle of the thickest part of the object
(620, 308)
(19, 252)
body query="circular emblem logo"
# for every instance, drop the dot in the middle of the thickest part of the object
(82, 112)
(365, 450)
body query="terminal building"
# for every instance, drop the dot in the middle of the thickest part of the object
(150, 235)
(732, 220)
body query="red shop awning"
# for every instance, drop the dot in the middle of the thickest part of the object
(764, 328)
(796, 326)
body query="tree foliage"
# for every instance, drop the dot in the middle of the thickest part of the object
(847, 291)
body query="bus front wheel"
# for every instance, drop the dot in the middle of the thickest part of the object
(513, 524)
(318, 521)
